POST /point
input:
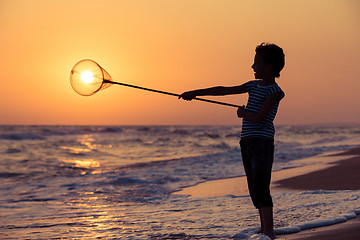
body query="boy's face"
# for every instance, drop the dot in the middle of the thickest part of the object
(261, 69)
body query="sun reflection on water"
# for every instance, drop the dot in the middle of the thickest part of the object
(88, 165)
(85, 164)
(97, 218)
(87, 145)
(87, 140)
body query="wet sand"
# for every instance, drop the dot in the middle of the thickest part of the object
(344, 175)
(334, 172)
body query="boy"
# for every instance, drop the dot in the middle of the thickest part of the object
(257, 135)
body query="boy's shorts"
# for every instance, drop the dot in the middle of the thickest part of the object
(258, 156)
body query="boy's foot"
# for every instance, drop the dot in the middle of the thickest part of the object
(271, 235)
(260, 236)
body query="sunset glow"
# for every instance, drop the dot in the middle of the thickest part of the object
(175, 46)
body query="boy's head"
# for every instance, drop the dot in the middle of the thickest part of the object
(272, 55)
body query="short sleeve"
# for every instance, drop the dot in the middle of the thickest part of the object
(251, 84)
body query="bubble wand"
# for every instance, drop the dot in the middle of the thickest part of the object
(87, 78)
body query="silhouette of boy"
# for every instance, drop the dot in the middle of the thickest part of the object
(257, 135)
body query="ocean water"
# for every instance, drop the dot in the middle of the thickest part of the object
(115, 182)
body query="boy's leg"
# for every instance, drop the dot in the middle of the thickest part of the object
(261, 171)
(261, 222)
(262, 186)
(266, 214)
(258, 158)
(247, 167)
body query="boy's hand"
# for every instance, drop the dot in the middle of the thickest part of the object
(241, 111)
(188, 96)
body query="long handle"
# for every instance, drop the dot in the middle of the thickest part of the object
(168, 93)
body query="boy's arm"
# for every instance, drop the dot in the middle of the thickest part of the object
(259, 116)
(214, 91)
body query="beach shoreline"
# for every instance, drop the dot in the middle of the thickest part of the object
(333, 172)
(282, 180)
(341, 176)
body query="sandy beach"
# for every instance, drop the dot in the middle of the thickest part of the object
(333, 172)
(342, 176)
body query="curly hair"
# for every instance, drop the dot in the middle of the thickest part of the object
(273, 55)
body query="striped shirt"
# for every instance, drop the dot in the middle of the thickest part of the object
(257, 96)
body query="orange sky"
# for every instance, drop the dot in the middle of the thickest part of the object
(175, 46)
